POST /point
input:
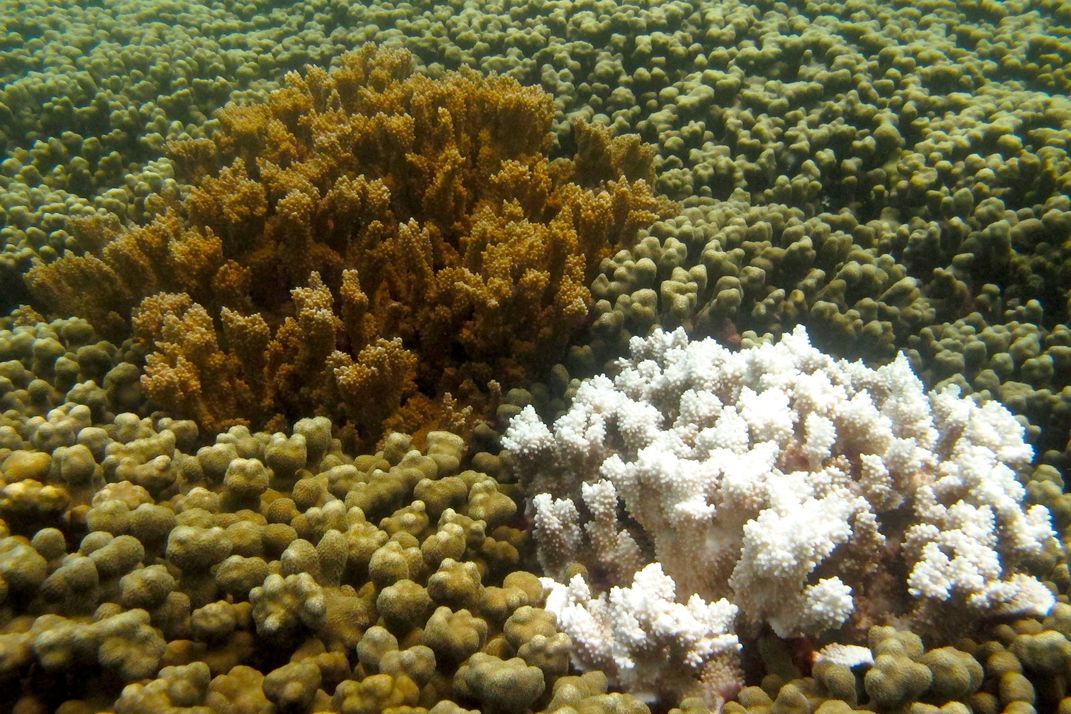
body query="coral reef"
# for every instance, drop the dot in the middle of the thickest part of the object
(745, 274)
(892, 176)
(808, 494)
(264, 570)
(365, 236)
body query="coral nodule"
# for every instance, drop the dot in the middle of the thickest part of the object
(369, 243)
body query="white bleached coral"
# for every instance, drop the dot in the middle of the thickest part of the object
(633, 631)
(788, 482)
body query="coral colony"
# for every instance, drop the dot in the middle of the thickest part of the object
(428, 207)
(566, 357)
(775, 486)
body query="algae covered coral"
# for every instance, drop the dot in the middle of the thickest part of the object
(893, 177)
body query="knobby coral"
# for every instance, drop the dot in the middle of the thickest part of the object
(362, 243)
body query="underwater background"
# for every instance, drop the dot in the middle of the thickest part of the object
(275, 277)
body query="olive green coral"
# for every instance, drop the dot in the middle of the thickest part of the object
(499, 686)
(210, 570)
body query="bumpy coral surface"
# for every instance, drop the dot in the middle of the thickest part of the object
(364, 236)
(262, 572)
(809, 493)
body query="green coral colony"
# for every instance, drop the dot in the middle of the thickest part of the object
(535, 356)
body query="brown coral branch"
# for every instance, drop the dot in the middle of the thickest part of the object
(365, 235)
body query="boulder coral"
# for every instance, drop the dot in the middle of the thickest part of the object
(272, 570)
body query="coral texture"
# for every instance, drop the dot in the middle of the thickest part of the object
(364, 237)
(794, 485)
(260, 571)
(894, 176)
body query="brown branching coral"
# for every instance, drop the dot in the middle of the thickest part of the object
(365, 236)
(189, 371)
